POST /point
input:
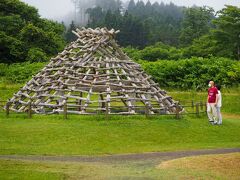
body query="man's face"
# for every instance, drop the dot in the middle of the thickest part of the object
(211, 83)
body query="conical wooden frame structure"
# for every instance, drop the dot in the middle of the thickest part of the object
(93, 75)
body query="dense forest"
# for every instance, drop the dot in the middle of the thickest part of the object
(165, 38)
(197, 31)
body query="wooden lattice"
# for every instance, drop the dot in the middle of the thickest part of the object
(92, 75)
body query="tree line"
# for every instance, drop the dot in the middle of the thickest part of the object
(196, 31)
(149, 31)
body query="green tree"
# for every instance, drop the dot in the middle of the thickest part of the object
(22, 29)
(131, 6)
(36, 55)
(106, 5)
(48, 41)
(132, 32)
(205, 46)
(69, 35)
(11, 25)
(96, 17)
(113, 19)
(11, 49)
(227, 32)
(196, 23)
(16, 7)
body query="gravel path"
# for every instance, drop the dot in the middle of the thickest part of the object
(160, 156)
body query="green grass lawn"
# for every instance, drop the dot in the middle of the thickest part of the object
(93, 135)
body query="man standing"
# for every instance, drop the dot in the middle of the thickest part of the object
(211, 102)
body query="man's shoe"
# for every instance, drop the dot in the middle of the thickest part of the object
(211, 122)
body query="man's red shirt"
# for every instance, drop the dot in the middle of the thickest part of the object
(212, 94)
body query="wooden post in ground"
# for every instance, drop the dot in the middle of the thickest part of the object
(29, 109)
(65, 110)
(178, 112)
(7, 109)
(147, 111)
(201, 105)
(107, 111)
(192, 104)
(197, 109)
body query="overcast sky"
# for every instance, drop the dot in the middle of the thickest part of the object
(55, 8)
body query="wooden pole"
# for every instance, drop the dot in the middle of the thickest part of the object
(107, 111)
(147, 111)
(30, 109)
(201, 105)
(80, 102)
(7, 109)
(65, 110)
(197, 109)
(177, 112)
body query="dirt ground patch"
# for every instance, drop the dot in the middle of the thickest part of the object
(125, 166)
(231, 116)
(156, 156)
(223, 165)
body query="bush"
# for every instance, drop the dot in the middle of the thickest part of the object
(194, 73)
(132, 52)
(3, 69)
(159, 51)
(36, 55)
(20, 72)
(191, 73)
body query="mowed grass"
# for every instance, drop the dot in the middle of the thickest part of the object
(93, 135)
(7, 90)
(223, 166)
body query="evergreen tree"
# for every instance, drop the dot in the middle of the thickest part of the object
(96, 17)
(196, 23)
(69, 35)
(227, 32)
(106, 5)
(131, 6)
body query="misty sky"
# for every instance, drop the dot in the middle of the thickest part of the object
(59, 8)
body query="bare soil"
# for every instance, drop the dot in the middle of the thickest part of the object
(153, 156)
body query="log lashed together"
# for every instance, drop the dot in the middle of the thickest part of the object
(93, 75)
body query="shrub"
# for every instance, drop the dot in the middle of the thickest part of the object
(159, 51)
(194, 73)
(36, 55)
(3, 69)
(21, 72)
